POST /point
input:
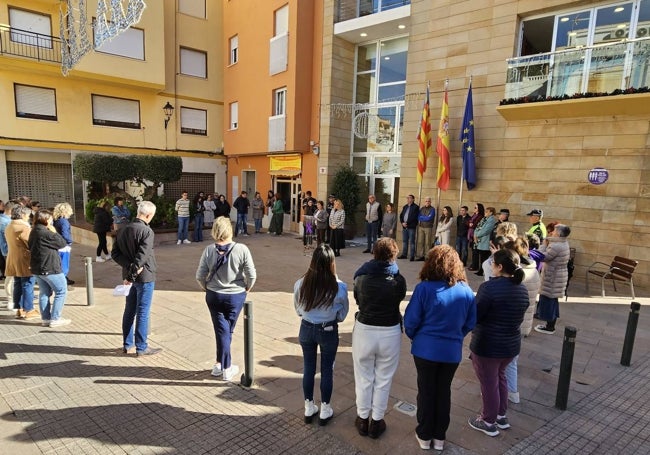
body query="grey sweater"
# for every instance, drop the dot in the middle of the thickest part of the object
(235, 276)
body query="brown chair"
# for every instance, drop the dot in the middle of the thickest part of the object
(621, 269)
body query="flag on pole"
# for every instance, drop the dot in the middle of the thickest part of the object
(442, 146)
(467, 139)
(424, 138)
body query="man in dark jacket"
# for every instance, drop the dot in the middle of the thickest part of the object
(133, 251)
(462, 225)
(241, 204)
(408, 218)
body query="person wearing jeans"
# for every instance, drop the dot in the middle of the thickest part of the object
(408, 219)
(17, 234)
(44, 245)
(321, 301)
(226, 273)
(376, 339)
(183, 209)
(133, 251)
(242, 204)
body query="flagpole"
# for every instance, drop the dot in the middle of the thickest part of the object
(435, 224)
(462, 172)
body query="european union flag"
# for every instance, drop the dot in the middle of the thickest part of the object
(467, 139)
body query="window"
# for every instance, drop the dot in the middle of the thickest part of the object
(194, 8)
(31, 28)
(129, 43)
(118, 112)
(381, 71)
(280, 101)
(35, 102)
(194, 121)
(194, 63)
(281, 21)
(234, 49)
(234, 115)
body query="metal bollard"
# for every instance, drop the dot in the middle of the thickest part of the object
(630, 333)
(90, 296)
(247, 376)
(566, 364)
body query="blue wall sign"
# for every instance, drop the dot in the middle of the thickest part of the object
(598, 176)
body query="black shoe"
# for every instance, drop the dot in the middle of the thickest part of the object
(366, 251)
(70, 282)
(401, 257)
(420, 259)
(337, 254)
(412, 259)
(376, 428)
(362, 425)
(149, 351)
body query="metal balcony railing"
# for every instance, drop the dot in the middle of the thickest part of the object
(602, 68)
(23, 43)
(350, 9)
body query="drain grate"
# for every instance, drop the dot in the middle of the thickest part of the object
(406, 408)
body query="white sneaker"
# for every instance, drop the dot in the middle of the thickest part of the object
(179, 242)
(424, 444)
(186, 241)
(230, 373)
(60, 322)
(99, 259)
(438, 444)
(514, 397)
(310, 410)
(326, 413)
(216, 370)
(107, 258)
(45, 322)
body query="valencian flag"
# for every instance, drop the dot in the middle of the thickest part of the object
(442, 146)
(424, 139)
(467, 139)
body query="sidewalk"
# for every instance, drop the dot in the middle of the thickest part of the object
(70, 390)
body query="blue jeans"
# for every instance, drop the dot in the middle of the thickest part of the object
(258, 225)
(198, 227)
(138, 304)
(371, 233)
(183, 226)
(224, 310)
(242, 219)
(311, 337)
(408, 239)
(23, 292)
(511, 375)
(47, 285)
(461, 247)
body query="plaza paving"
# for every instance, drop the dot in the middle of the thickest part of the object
(71, 390)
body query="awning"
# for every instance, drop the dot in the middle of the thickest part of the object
(285, 173)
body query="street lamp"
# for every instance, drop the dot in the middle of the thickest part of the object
(169, 110)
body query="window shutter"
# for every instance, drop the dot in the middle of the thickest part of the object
(35, 102)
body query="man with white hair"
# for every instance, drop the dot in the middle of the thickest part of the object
(133, 250)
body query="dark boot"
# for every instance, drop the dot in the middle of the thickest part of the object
(362, 425)
(376, 428)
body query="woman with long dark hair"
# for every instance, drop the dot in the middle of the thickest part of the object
(321, 300)
(443, 231)
(496, 339)
(477, 216)
(439, 315)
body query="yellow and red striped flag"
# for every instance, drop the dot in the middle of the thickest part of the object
(442, 146)
(424, 139)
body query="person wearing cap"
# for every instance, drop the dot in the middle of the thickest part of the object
(537, 228)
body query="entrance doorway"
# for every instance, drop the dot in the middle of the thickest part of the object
(248, 183)
(290, 191)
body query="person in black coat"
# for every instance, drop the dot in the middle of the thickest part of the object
(102, 224)
(408, 219)
(223, 207)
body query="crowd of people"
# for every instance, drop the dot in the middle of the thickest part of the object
(443, 309)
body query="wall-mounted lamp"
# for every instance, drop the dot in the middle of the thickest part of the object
(169, 110)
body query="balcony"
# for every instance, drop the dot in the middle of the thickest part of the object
(22, 43)
(351, 9)
(587, 69)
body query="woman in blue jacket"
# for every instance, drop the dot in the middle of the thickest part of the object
(439, 315)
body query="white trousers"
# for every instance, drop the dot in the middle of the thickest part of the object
(375, 353)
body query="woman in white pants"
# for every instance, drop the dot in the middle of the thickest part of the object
(376, 339)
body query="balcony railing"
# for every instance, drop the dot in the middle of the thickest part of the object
(601, 68)
(351, 9)
(28, 44)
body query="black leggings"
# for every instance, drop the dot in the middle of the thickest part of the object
(101, 236)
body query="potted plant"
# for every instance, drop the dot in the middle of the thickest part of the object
(347, 186)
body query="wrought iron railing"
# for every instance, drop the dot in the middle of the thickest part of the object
(23, 43)
(350, 9)
(602, 68)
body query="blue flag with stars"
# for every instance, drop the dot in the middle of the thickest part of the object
(467, 146)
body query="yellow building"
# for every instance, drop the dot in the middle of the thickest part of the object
(543, 154)
(112, 100)
(272, 83)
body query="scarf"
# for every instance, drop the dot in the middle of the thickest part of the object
(223, 251)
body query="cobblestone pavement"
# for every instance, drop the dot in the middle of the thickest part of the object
(71, 390)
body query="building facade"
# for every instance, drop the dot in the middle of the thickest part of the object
(541, 154)
(112, 100)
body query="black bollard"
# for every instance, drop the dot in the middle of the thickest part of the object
(630, 333)
(566, 364)
(90, 296)
(247, 376)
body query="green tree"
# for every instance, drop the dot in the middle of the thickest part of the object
(347, 186)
